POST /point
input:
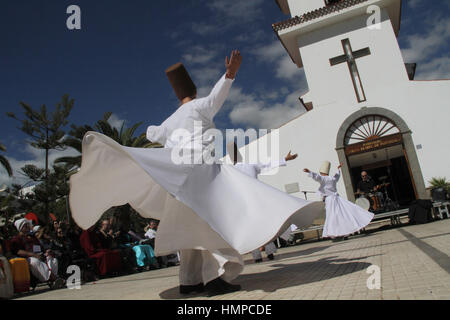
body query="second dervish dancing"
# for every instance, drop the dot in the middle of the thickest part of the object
(342, 217)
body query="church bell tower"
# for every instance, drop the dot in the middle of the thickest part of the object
(348, 48)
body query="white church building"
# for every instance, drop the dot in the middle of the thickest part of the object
(364, 108)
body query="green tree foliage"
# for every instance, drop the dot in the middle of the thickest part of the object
(45, 131)
(439, 182)
(124, 136)
(4, 162)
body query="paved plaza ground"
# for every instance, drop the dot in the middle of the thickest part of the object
(413, 260)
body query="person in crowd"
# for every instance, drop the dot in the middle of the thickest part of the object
(108, 261)
(150, 234)
(43, 265)
(150, 231)
(145, 257)
(109, 240)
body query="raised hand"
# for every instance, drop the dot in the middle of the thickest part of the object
(233, 64)
(290, 156)
(306, 170)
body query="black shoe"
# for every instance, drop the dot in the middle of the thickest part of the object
(219, 286)
(270, 256)
(58, 283)
(258, 260)
(191, 288)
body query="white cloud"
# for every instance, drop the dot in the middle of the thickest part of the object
(205, 77)
(251, 36)
(37, 158)
(204, 28)
(424, 49)
(253, 111)
(200, 54)
(438, 68)
(238, 11)
(422, 46)
(115, 121)
(276, 56)
(228, 13)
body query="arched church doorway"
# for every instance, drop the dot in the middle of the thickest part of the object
(378, 142)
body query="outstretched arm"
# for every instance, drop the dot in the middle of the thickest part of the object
(315, 176)
(219, 93)
(282, 162)
(338, 173)
(269, 165)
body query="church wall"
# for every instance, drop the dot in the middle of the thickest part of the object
(425, 107)
(313, 137)
(383, 67)
(422, 105)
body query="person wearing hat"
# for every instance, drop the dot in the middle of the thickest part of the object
(156, 193)
(42, 266)
(198, 204)
(342, 217)
(253, 170)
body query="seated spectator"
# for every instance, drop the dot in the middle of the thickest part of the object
(145, 257)
(57, 249)
(43, 265)
(109, 240)
(108, 261)
(78, 256)
(150, 233)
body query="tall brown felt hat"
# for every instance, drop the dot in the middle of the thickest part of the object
(181, 82)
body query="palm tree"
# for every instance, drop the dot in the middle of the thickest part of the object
(124, 136)
(4, 162)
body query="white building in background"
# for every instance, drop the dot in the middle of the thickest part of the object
(27, 191)
(365, 109)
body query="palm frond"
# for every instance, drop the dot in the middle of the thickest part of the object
(5, 164)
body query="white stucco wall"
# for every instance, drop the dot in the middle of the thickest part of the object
(423, 105)
(328, 84)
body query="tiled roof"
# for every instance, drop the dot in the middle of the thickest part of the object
(343, 4)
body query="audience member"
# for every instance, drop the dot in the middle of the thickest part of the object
(43, 265)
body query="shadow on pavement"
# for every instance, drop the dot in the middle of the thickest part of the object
(294, 254)
(288, 275)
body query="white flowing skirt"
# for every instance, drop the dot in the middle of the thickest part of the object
(200, 206)
(343, 217)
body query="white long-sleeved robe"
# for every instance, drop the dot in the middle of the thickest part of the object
(342, 216)
(211, 208)
(253, 170)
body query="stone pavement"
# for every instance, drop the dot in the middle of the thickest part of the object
(413, 260)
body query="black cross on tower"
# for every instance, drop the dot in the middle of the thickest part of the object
(350, 57)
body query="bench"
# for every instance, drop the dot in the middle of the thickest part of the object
(440, 208)
(393, 215)
(312, 228)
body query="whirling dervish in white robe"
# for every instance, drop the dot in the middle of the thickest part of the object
(342, 217)
(253, 170)
(210, 213)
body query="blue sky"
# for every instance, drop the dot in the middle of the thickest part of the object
(116, 61)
